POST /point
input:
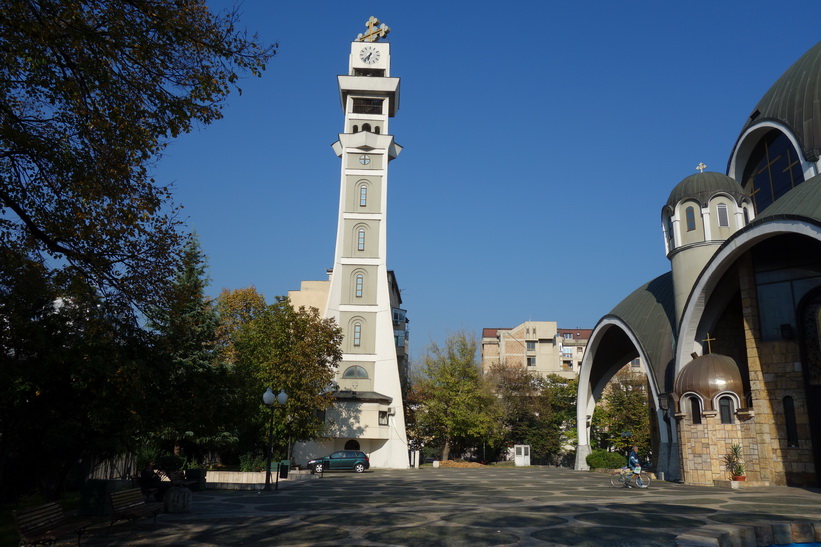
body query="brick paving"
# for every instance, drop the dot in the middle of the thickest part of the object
(538, 506)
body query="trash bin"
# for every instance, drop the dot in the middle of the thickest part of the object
(283, 469)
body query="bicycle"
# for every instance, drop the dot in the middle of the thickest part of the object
(625, 476)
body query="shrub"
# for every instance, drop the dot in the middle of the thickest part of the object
(251, 462)
(602, 459)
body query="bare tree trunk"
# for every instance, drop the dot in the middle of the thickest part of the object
(446, 450)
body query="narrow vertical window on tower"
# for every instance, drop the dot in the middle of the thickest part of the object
(725, 409)
(363, 196)
(723, 215)
(360, 282)
(360, 240)
(695, 409)
(690, 213)
(357, 334)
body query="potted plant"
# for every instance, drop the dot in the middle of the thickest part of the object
(734, 463)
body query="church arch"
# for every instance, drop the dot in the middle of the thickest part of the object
(743, 153)
(352, 444)
(693, 407)
(355, 371)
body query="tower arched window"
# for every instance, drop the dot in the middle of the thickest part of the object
(356, 129)
(789, 418)
(723, 215)
(357, 334)
(363, 196)
(355, 371)
(360, 285)
(360, 239)
(376, 129)
(366, 127)
(725, 409)
(695, 409)
(690, 214)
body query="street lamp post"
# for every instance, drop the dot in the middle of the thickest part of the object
(269, 399)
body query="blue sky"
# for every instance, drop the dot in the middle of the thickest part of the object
(541, 140)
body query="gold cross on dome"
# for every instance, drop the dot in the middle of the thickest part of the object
(701, 167)
(708, 340)
(374, 32)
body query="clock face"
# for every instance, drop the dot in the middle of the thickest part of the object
(369, 55)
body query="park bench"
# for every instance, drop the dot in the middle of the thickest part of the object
(131, 505)
(46, 523)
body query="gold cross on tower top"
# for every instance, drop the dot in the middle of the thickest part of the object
(374, 32)
(709, 345)
(701, 167)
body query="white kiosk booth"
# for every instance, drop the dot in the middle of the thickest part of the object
(521, 456)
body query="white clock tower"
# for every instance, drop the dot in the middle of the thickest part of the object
(368, 411)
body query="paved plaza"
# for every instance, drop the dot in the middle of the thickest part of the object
(537, 506)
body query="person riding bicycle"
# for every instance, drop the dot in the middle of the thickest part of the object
(632, 464)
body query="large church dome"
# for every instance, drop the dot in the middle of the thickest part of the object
(793, 102)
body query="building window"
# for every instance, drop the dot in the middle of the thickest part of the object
(792, 427)
(383, 417)
(774, 169)
(568, 335)
(366, 127)
(635, 363)
(360, 240)
(725, 409)
(723, 215)
(531, 361)
(355, 371)
(360, 282)
(357, 334)
(579, 349)
(690, 213)
(363, 105)
(363, 196)
(531, 346)
(353, 444)
(695, 409)
(356, 129)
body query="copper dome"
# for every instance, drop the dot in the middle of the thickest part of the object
(708, 376)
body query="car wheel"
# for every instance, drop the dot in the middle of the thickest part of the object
(318, 468)
(359, 468)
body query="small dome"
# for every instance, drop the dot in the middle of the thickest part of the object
(710, 375)
(703, 186)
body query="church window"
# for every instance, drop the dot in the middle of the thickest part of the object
(723, 216)
(746, 216)
(376, 129)
(363, 196)
(725, 409)
(356, 129)
(352, 444)
(789, 417)
(360, 240)
(695, 409)
(357, 334)
(366, 127)
(773, 170)
(360, 285)
(355, 371)
(363, 105)
(690, 213)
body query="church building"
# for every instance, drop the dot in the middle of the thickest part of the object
(731, 336)
(361, 294)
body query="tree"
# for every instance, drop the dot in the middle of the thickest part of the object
(90, 94)
(74, 376)
(622, 417)
(457, 406)
(283, 348)
(195, 385)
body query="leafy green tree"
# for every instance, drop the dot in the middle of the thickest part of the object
(74, 376)
(622, 417)
(457, 407)
(91, 91)
(295, 350)
(195, 386)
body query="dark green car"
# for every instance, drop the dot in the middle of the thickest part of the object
(343, 460)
